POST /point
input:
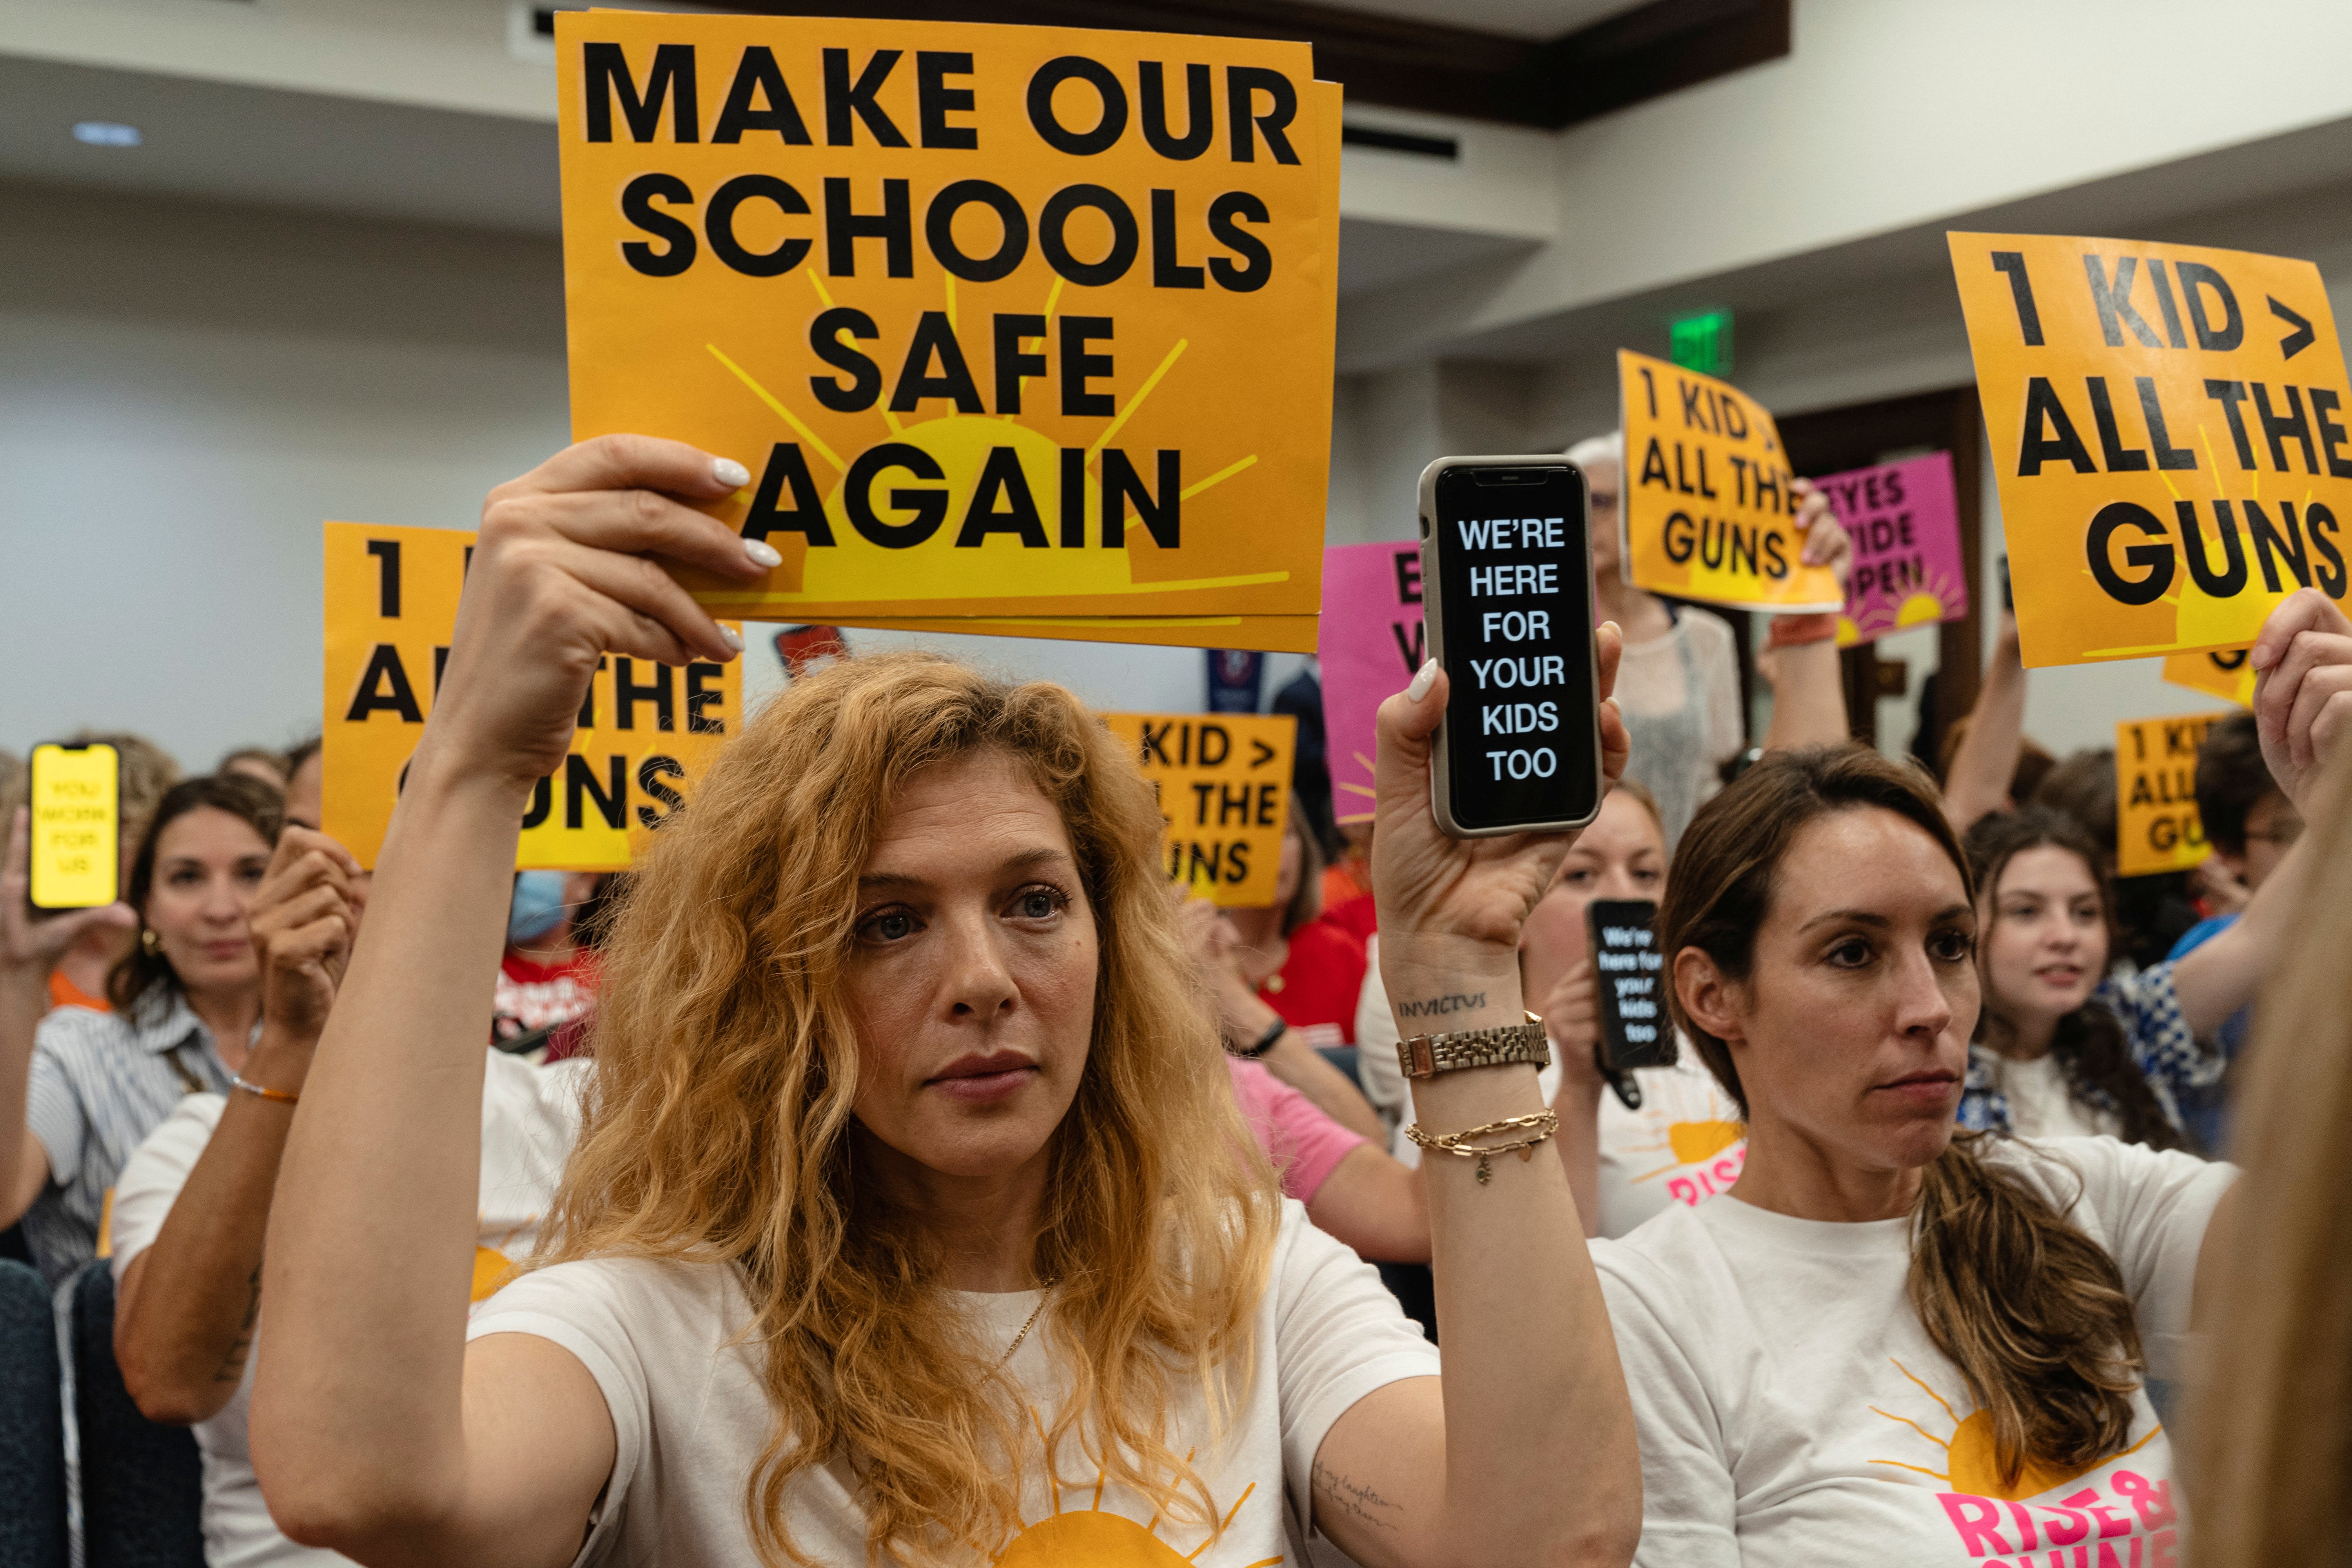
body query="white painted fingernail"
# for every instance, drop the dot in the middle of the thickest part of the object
(762, 553)
(732, 637)
(1423, 679)
(729, 472)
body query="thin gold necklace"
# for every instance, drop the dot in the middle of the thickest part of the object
(1045, 1294)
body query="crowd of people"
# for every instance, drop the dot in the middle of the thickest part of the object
(891, 1166)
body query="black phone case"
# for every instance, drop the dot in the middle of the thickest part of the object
(1629, 977)
(1434, 620)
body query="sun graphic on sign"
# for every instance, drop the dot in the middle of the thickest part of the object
(1912, 600)
(1969, 1462)
(1021, 500)
(1093, 1537)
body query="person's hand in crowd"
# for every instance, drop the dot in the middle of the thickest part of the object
(31, 944)
(2218, 889)
(570, 565)
(2302, 691)
(304, 918)
(1451, 908)
(2005, 643)
(1827, 543)
(1571, 1015)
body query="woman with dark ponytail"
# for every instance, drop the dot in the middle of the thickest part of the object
(1895, 1335)
(1896, 1340)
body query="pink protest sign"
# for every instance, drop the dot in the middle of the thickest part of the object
(1905, 522)
(1369, 645)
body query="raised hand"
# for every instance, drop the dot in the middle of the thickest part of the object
(1827, 543)
(1453, 906)
(2303, 690)
(304, 917)
(31, 944)
(569, 568)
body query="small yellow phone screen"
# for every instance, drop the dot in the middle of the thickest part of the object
(76, 834)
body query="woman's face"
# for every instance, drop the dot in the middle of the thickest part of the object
(1291, 866)
(1851, 1030)
(207, 864)
(1621, 856)
(1600, 481)
(2045, 948)
(972, 975)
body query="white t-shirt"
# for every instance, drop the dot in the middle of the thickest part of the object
(1683, 1145)
(663, 1339)
(1793, 1414)
(531, 1116)
(2042, 1106)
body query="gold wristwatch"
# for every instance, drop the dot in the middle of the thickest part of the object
(1426, 1056)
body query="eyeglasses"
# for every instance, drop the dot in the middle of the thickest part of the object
(2284, 835)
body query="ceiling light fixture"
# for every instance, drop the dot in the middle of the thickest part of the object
(106, 133)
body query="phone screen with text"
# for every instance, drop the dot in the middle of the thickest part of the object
(1515, 585)
(75, 816)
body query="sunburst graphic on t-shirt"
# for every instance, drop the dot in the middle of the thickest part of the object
(1970, 1464)
(1695, 1129)
(1094, 1537)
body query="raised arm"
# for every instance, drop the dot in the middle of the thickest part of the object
(185, 1317)
(375, 1431)
(30, 947)
(1986, 759)
(1808, 684)
(2303, 707)
(1524, 1451)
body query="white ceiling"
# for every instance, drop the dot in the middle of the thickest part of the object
(1520, 18)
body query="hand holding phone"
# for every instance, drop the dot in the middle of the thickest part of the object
(1506, 569)
(32, 941)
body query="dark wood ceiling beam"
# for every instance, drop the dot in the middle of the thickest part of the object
(1644, 53)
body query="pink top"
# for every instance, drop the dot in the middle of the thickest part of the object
(1304, 1143)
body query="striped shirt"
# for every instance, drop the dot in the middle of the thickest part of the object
(99, 1083)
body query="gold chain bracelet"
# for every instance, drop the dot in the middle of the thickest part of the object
(1542, 1125)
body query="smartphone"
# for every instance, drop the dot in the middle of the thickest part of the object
(76, 826)
(1629, 977)
(1506, 584)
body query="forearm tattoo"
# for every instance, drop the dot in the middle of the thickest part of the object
(1344, 1497)
(1439, 1006)
(232, 1366)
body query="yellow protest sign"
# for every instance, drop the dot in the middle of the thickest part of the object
(2227, 673)
(1271, 633)
(2168, 430)
(1007, 321)
(646, 731)
(1704, 506)
(1224, 792)
(2157, 826)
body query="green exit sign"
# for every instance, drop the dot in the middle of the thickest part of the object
(1701, 342)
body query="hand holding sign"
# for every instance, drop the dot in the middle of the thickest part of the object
(567, 570)
(2303, 692)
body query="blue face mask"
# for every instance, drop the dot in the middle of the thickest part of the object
(538, 905)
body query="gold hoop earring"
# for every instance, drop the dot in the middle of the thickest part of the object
(149, 942)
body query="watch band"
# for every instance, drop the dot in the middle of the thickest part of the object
(1266, 1042)
(1426, 1056)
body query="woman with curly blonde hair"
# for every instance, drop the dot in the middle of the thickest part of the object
(912, 1220)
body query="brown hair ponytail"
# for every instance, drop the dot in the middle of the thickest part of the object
(2032, 1311)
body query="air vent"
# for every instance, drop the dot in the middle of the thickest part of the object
(1446, 148)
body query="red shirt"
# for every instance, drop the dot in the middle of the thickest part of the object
(1317, 987)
